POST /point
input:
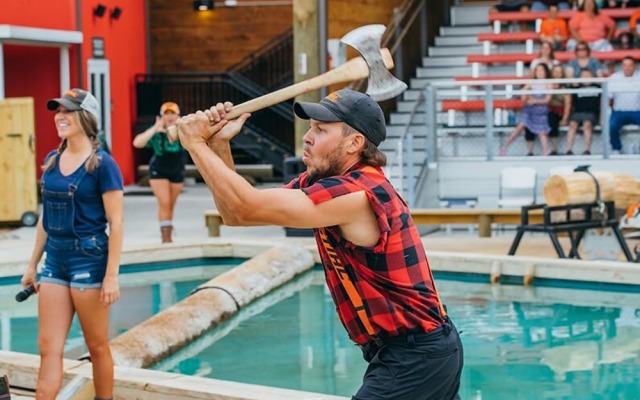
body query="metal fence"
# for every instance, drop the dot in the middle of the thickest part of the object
(450, 119)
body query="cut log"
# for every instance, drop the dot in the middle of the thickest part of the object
(579, 187)
(627, 192)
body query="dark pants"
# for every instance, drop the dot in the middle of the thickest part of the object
(414, 367)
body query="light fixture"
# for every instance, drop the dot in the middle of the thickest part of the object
(203, 5)
(99, 10)
(116, 12)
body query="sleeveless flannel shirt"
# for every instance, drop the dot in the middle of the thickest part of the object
(393, 277)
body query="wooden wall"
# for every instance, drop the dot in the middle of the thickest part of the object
(184, 40)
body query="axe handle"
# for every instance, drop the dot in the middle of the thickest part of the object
(352, 70)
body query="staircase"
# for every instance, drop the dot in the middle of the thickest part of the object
(445, 60)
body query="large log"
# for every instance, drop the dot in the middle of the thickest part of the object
(580, 187)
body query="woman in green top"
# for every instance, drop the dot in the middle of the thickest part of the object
(166, 168)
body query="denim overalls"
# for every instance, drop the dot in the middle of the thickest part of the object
(78, 262)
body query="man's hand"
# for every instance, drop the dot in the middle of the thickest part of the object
(227, 132)
(195, 129)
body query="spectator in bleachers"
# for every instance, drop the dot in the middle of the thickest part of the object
(624, 41)
(590, 26)
(559, 108)
(545, 56)
(544, 5)
(586, 111)
(553, 30)
(626, 101)
(511, 6)
(583, 60)
(534, 118)
(621, 4)
(633, 24)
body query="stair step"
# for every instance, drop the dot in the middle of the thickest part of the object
(447, 61)
(397, 131)
(419, 144)
(437, 72)
(465, 30)
(411, 94)
(403, 118)
(441, 72)
(455, 50)
(408, 106)
(456, 40)
(469, 15)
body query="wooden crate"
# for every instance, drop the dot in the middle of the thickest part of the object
(19, 200)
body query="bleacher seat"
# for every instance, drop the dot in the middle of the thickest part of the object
(498, 18)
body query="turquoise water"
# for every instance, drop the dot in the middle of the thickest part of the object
(520, 343)
(144, 291)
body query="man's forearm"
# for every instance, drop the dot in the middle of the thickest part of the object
(223, 150)
(228, 188)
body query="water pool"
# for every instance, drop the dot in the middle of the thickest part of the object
(145, 289)
(520, 343)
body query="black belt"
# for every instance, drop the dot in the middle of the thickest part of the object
(371, 348)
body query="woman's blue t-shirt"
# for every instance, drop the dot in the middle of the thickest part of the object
(90, 217)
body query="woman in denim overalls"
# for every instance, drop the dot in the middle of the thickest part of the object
(81, 194)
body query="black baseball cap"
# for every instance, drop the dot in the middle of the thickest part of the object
(355, 109)
(76, 100)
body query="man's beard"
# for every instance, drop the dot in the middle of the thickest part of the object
(331, 167)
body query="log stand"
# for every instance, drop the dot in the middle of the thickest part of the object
(578, 219)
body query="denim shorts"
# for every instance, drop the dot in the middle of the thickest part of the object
(77, 263)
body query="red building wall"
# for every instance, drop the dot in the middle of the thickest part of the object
(34, 71)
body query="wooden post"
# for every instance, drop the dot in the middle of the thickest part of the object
(306, 50)
(484, 225)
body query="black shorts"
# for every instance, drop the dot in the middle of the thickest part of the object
(173, 176)
(415, 367)
(554, 123)
(581, 117)
(168, 166)
(529, 136)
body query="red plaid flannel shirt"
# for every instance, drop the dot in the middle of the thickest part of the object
(393, 278)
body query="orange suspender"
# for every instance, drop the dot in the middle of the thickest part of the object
(349, 287)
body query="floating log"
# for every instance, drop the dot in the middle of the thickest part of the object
(580, 187)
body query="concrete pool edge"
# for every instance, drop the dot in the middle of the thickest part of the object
(144, 384)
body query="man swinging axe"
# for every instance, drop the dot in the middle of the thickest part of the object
(373, 257)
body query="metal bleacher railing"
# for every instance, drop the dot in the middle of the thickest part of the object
(450, 120)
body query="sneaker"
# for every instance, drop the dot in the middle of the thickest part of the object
(615, 152)
(568, 153)
(530, 154)
(586, 153)
(553, 153)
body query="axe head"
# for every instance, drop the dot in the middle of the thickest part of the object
(382, 85)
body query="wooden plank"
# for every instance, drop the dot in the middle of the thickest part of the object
(433, 216)
(260, 171)
(17, 158)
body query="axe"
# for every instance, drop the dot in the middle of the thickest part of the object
(373, 63)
